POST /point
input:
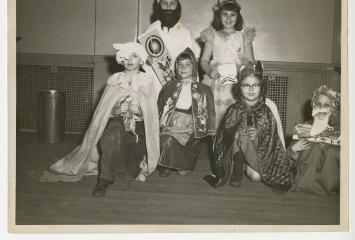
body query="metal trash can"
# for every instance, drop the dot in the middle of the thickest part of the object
(51, 120)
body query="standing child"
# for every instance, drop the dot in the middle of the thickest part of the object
(250, 138)
(187, 114)
(125, 125)
(229, 46)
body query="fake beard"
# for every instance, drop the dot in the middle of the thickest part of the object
(321, 120)
(169, 18)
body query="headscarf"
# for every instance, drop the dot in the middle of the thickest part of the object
(334, 112)
(126, 49)
(333, 96)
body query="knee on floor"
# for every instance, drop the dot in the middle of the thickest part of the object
(255, 177)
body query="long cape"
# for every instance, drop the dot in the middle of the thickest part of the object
(83, 160)
(274, 163)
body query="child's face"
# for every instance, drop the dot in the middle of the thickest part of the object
(250, 89)
(322, 107)
(185, 68)
(228, 19)
(133, 62)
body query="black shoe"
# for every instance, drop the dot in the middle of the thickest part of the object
(212, 180)
(100, 188)
(238, 170)
(164, 172)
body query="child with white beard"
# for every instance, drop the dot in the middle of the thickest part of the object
(317, 150)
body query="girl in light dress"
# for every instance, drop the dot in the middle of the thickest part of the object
(226, 47)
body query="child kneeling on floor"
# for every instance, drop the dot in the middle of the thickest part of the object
(125, 125)
(130, 142)
(249, 138)
(186, 110)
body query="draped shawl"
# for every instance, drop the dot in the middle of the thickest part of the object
(273, 159)
(83, 160)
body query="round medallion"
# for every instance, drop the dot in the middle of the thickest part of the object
(154, 46)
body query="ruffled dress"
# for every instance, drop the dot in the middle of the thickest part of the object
(226, 50)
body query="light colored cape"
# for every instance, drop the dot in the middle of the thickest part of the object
(275, 112)
(83, 160)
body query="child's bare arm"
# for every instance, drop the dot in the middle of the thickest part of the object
(205, 65)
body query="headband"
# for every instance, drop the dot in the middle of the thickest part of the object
(158, 1)
(221, 3)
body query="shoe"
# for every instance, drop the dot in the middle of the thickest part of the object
(100, 188)
(212, 180)
(238, 170)
(164, 172)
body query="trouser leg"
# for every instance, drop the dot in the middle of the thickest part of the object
(238, 169)
(112, 145)
(135, 152)
(113, 148)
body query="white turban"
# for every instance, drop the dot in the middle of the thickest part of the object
(126, 49)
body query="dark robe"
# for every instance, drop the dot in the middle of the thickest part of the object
(273, 161)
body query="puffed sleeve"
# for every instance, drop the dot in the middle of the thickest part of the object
(114, 79)
(207, 35)
(249, 35)
(148, 87)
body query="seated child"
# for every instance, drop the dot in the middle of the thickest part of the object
(317, 150)
(126, 123)
(249, 137)
(186, 112)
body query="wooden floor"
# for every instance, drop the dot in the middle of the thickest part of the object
(172, 200)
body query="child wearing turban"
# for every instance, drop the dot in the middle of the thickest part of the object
(125, 126)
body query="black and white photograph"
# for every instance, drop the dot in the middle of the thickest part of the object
(179, 116)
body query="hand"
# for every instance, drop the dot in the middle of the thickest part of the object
(236, 136)
(300, 145)
(149, 61)
(249, 35)
(251, 132)
(214, 74)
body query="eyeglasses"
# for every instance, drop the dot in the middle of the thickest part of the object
(255, 85)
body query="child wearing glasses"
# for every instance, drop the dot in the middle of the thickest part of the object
(249, 139)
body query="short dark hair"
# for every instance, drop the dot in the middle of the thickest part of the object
(250, 70)
(217, 23)
(187, 54)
